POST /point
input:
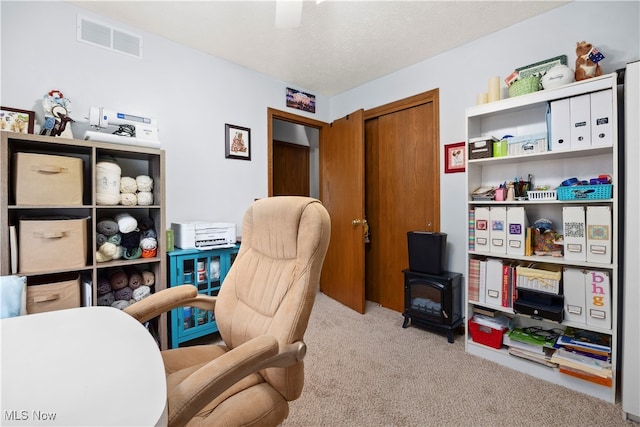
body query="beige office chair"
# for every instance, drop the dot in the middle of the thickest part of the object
(262, 312)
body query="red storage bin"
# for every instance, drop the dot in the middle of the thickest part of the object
(485, 335)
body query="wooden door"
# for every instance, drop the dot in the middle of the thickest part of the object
(290, 169)
(402, 194)
(342, 193)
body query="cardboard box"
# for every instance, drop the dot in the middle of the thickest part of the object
(65, 293)
(42, 179)
(52, 244)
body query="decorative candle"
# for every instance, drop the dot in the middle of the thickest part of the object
(494, 89)
(482, 98)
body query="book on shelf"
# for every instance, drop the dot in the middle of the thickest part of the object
(486, 311)
(605, 381)
(482, 285)
(472, 229)
(13, 249)
(583, 359)
(474, 279)
(583, 340)
(540, 358)
(531, 338)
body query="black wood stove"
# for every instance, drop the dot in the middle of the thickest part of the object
(433, 301)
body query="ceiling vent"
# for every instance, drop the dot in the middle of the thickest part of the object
(100, 34)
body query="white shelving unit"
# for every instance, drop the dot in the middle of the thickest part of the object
(527, 115)
(134, 161)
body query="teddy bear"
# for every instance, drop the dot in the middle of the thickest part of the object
(585, 67)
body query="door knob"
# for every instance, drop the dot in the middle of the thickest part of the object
(355, 222)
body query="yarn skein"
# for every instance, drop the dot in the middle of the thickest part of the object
(128, 185)
(144, 182)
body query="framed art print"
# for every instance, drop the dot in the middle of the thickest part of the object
(455, 157)
(14, 120)
(237, 142)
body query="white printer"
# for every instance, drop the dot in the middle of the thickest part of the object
(203, 235)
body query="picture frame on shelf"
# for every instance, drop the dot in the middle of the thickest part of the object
(16, 120)
(237, 142)
(455, 157)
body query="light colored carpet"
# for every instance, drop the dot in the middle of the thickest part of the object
(366, 370)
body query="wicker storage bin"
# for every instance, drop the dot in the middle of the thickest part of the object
(524, 86)
(539, 280)
(585, 192)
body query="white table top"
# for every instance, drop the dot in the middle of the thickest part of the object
(89, 366)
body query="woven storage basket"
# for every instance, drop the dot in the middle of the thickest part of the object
(524, 86)
(585, 192)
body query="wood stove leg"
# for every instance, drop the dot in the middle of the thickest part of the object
(450, 336)
(406, 322)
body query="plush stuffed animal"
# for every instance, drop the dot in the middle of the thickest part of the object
(585, 67)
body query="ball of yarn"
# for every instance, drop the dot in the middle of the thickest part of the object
(104, 286)
(118, 279)
(108, 249)
(100, 239)
(149, 253)
(148, 278)
(116, 239)
(100, 257)
(148, 234)
(126, 223)
(134, 253)
(128, 185)
(107, 183)
(146, 223)
(123, 294)
(108, 227)
(130, 240)
(145, 198)
(144, 182)
(106, 299)
(107, 199)
(119, 252)
(148, 243)
(142, 292)
(120, 304)
(128, 199)
(135, 280)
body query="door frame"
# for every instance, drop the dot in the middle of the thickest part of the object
(272, 114)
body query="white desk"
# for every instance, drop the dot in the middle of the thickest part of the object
(90, 366)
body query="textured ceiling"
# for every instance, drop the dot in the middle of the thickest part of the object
(338, 45)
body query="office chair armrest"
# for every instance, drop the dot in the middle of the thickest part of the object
(168, 299)
(212, 379)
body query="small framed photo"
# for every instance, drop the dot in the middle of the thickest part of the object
(455, 157)
(237, 142)
(301, 100)
(14, 120)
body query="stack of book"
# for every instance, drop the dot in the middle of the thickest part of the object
(584, 354)
(531, 346)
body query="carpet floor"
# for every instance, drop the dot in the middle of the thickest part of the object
(366, 370)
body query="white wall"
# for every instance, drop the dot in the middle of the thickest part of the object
(462, 73)
(191, 94)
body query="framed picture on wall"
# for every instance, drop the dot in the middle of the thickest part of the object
(14, 120)
(237, 142)
(455, 157)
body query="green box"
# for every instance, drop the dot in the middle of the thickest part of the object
(170, 246)
(500, 148)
